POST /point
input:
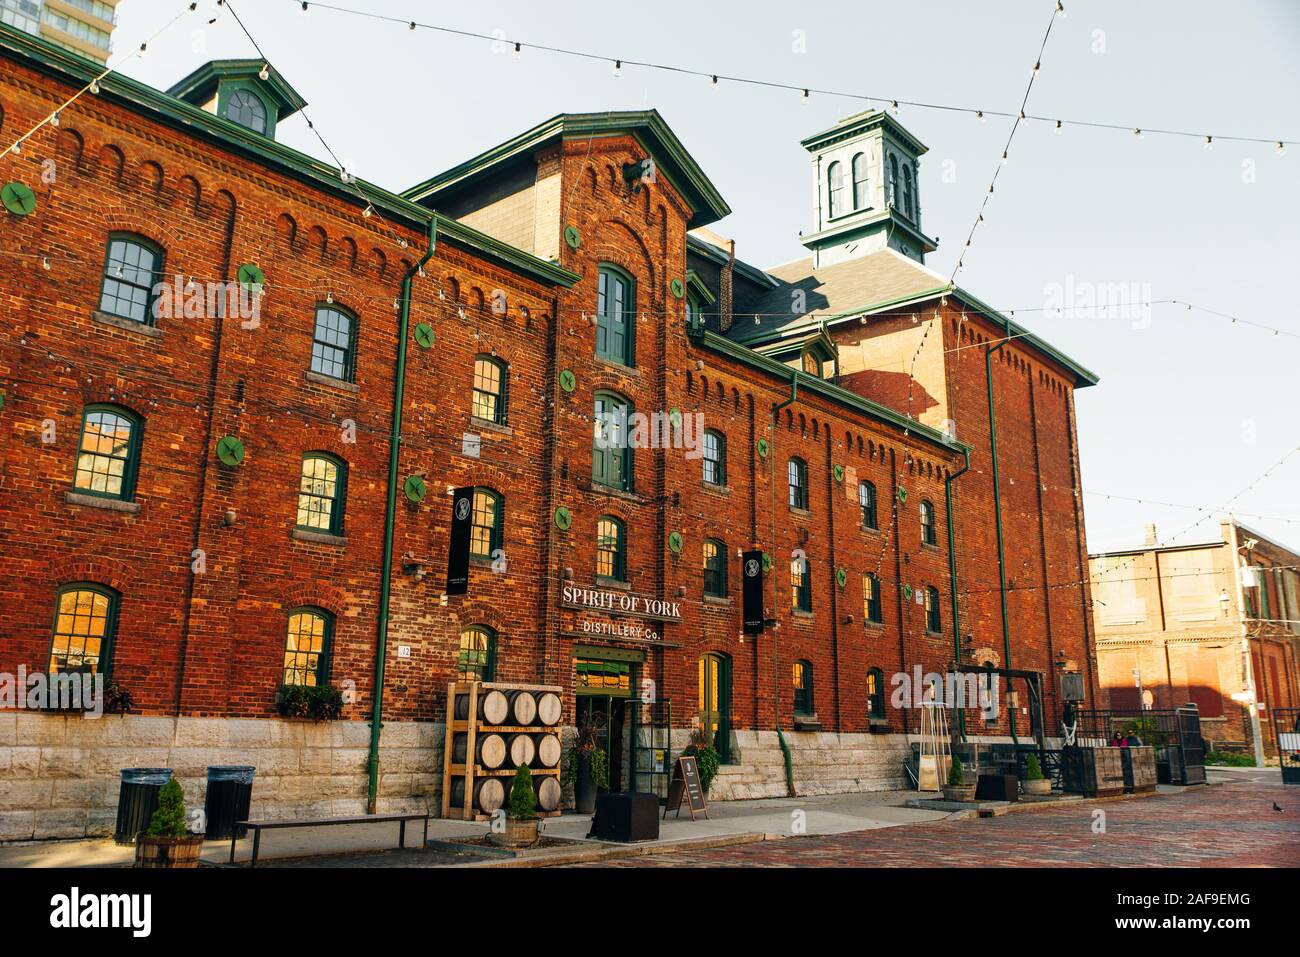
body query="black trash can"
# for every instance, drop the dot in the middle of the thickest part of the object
(230, 794)
(137, 800)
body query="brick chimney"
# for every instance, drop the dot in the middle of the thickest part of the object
(1149, 536)
(725, 288)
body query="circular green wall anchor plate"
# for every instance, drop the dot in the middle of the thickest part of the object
(424, 336)
(762, 448)
(841, 576)
(2, 400)
(767, 562)
(230, 451)
(568, 381)
(839, 473)
(675, 542)
(18, 198)
(907, 592)
(250, 276)
(902, 494)
(563, 519)
(678, 288)
(414, 488)
(572, 237)
(675, 418)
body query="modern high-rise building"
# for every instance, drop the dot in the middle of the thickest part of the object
(83, 26)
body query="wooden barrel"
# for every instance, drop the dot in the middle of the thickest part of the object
(548, 792)
(522, 750)
(548, 750)
(548, 708)
(488, 794)
(493, 707)
(523, 707)
(489, 749)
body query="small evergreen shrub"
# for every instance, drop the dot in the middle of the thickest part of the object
(1230, 759)
(1033, 770)
(169, 818)
(956, 773)
(523, 799)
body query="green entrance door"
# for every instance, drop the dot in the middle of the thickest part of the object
(603, 689)
(715, 703)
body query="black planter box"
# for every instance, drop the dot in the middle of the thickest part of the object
(997, 787)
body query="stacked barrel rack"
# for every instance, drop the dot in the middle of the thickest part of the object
(492, 728)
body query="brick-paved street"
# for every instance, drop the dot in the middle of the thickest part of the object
(1228, 825)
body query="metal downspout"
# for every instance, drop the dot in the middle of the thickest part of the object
(390, 510)
(952, 587)
(776, 663)
(997, 511)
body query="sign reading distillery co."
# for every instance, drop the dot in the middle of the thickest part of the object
(620, 603)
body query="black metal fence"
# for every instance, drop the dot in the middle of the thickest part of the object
(1174, 733)
(1286, 731)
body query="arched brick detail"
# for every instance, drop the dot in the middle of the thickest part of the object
(98, 569)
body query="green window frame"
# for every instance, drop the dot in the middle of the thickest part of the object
(322, 493)
(715, 568)
(487, 523)
(929, 535)
(611, 452)
(246, 108)
(615, 315)
(932, 610)
(875, 693)
(84, 628)
(802, 680)
(309, 642)
(611, 558)
(867, 502)
(872, 606)
(491, 381)
(334, 341)
(800, 584)
(133, 269)
(715, 457)
(835, 189)
(108, 452)
(797, 479)
(476, 659)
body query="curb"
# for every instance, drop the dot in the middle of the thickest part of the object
(604, 852)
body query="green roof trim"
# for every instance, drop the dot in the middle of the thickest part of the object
(71, 67)
(828, 390)
(858, 123)
(710, 251)
(203, 82)
(672, 161)
(695, 285)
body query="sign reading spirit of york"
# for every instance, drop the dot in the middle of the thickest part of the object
(620, 603)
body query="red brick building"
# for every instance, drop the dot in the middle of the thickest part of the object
(206, 503)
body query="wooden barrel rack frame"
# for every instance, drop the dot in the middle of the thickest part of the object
(471, 726)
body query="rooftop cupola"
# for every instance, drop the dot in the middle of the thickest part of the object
(865, 189)
(248, 92)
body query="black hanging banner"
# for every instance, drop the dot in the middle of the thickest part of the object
(462, 510)
(752, 591)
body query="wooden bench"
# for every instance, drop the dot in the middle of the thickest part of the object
(258, 826)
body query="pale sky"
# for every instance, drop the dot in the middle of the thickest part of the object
(1190, 409)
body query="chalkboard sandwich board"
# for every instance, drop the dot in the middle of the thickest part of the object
(686, 783)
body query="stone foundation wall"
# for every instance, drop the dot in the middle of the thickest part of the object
(823, 763)
(60, 775)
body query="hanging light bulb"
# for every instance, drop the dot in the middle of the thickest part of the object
(1060, 8)
(304, 6)
(1038, 66)
(329, 297)
(1209, 143)
(519, 48)
(45, 263)
(805, 96)
(1138, 133)
(54, 120)
(17, 147)
(618, 68)
(144, 48)
(411, 25)
(1005, 157)
(368, 211)
(714, 81)
(979, 115)
(894, 106)
(265, 72)
(1058, 128)
(94, 86)
(460, 311)
(1281, 148)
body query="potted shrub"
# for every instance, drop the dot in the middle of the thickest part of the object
(1034, 782)
(521, 813)
(167, 843)
(706, 758)
(317, 702)
(586, 768)
(957, 789)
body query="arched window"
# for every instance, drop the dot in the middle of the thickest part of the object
(875, 693)
(835, 189)
(491, 377)
(307, 647)
(615, 315)
(611, 454)
(108, 455)
(487, 523)
(132, 270)
(907, 191)
(333, 347)
(812, 364)
(322, 492)
(860, 181)
(872, 606)
(85, 621)
(715, 568)
(867, 502)
(800, 584)
(610, 557)
(715, 457)
(928, 534)
(246, 108)
(797, 479)
(803, 688)
(932, 622)
(477, 658)
(894, 198)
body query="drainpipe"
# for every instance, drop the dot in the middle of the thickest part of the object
(390, 511)
(997, 511)
(776, 663)
(952, 585)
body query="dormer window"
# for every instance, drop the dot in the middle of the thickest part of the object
(812, 364)
(244, 107)
(860, 181)
(907, 192)
(893, 180)
(835, 189)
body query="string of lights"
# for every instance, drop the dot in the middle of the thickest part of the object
(715, 79)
